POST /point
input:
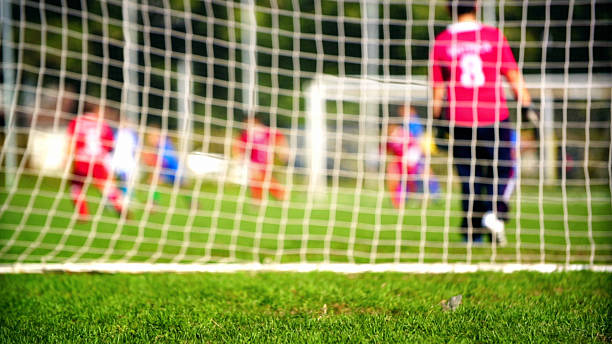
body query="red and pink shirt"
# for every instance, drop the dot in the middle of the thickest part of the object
(469, 59)
(93, 139)
(259, 142)
(404, 147)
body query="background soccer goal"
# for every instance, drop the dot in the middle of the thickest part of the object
(330, 76)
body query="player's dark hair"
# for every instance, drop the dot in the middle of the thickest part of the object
(461, 7)
(258, 116)
(262, 117)
(91, 106)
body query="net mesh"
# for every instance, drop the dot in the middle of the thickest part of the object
(189, 88)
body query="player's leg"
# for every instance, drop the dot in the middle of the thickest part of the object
(123, 178)
(168, 176)
(427, 177)
(470, 186)
(102, 181)
(511, 183)
(155, 175)
(493, 162)
(276, 189)
(412, 179)
(269, 184)
(78, 197)
(498, 172)
(163, 177)
(175, 175)
(505, 169)
(434, 185)
(496, 156)
(122, 182)
(256, 181)
(483, 182)
(470, 198)
(79, 173)
(394, 175)
(420, 177)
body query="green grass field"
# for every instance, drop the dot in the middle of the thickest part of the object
(306, 308)
(38, 224)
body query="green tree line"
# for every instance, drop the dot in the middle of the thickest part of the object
(81, 42)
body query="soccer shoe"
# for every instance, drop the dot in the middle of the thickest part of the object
(496, 226)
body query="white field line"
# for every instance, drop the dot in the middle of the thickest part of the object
(298, 267)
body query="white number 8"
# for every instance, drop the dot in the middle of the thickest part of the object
(471, 71)
(93, 145)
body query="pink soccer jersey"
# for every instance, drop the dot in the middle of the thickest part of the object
(260, 142)
(469, 59)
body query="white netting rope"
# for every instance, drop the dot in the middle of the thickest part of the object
(198, 70)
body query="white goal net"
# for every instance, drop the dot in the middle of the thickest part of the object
(252, 134)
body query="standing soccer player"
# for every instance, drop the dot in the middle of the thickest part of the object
(259, 142)
(91, 143)
(469, 59)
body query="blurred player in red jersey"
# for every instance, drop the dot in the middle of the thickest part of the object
(91, 143)
(469, 60)
(405, 154)
(407, 144)
(259, 143)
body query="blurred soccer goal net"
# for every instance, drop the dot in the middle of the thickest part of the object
(290, 135)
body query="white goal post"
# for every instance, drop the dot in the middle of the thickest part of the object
(323, 88)
(260, 133)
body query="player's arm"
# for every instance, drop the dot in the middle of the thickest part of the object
(282, 147)
(439, 92)
(238, 146)
(517, 83)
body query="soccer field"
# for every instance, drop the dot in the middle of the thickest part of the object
(299, 171)
(268, 307)
(524, 307)
(39, 225)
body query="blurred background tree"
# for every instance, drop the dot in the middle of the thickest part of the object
(80, 44)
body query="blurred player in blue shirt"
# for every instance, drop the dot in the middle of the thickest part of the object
(162, 156)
